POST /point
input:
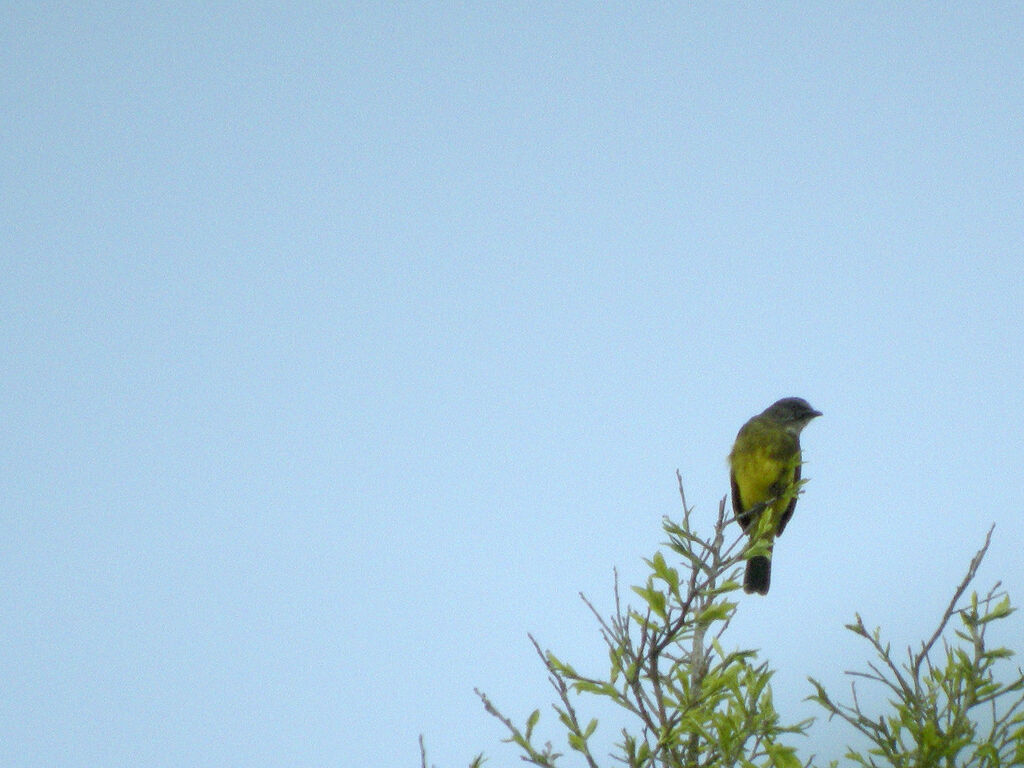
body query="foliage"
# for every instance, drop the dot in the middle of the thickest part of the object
(691, 702)
(945, 711)
(688, 701)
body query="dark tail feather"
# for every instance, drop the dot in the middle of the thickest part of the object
(758, 576)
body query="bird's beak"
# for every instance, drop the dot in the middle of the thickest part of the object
(815, 414)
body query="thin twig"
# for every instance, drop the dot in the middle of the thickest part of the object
(972, 570)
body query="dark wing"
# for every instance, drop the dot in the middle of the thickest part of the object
(792, 503)
(744, 518)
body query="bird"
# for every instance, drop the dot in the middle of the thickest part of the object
(764, 472)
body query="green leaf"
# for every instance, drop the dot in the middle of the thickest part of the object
(654, 598)
(643, 754)
(1001, 610)
(783, 757)
(559, 666)
(999, 653)
(602, 689)
(658, 563)
(715, 612)
(661, 569)
(531, 721)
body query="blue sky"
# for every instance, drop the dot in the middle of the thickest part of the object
(343, 346)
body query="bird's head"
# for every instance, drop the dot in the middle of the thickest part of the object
(793, 413)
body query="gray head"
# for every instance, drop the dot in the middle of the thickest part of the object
(793, 413)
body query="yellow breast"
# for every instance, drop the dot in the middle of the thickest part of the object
(760, 475)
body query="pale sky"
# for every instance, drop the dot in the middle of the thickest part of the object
(343, 345)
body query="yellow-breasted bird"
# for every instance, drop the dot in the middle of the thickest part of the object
(765, 475)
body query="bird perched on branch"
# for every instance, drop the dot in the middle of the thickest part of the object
(765, 475)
